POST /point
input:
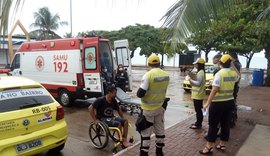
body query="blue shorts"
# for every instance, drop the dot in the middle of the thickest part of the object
(114, 121)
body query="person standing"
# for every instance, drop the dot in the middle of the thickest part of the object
(220, 103)
(121, 78)
(198, 91)
(216, 59)
(152, 92)
(104, 79)
(237, 67)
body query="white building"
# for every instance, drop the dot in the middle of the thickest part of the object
(16, 42)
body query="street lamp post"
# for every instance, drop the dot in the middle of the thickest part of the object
(70, 18)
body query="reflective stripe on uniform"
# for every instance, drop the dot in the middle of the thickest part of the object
(152, 102)
(156, 91)
(225, 97)
(198, 92)
(155, 95)
(226, 91)
(161, 79)
(228, 78)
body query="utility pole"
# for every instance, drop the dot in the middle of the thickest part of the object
(70, 18)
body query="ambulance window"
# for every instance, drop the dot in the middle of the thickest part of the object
(16, 62)
(105, 57)
(122, 56)
(90, 58)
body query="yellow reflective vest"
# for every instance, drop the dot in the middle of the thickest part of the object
(227, 81)
(155, 95)
(198, 92)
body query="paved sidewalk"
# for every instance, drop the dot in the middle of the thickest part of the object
(257, 143)
(183, 141)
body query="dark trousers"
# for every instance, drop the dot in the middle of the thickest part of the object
(198, 105)
(220, 112)
(234, 111)
(235, 90)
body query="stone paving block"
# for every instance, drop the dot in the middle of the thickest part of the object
(183, 141)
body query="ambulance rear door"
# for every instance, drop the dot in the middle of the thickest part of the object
(97, 53)
(122, 56)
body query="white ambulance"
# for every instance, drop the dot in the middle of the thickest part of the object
(68, 68)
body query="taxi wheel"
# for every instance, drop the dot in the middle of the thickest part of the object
(64, 98)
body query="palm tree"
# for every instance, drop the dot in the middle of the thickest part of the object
(264, 14)
(188, 16)
(46, 24)
(5, 9)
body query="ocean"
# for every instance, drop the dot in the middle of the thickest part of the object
(258, 61)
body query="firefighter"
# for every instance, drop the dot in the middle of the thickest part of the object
(220, 103)
(152, 92)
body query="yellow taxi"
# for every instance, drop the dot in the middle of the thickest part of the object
(209, 69)
(31, 121)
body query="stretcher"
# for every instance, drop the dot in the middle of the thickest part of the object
(131, 105)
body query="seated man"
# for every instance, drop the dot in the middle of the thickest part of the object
(105, 107)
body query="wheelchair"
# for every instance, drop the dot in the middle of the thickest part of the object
(99, 135)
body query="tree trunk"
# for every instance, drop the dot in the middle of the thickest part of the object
(206, 55)
(249, 59)
(132, 51)
(162, 58)
(248, 63)
(267, 56)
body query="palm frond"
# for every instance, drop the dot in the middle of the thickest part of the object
(5, 10)
(187, 16)
(264, 14)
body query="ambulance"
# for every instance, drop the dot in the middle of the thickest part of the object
(68, 68)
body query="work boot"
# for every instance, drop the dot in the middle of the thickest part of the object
(143, 153)
(159, 152)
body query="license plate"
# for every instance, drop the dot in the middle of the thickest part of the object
(28, 145)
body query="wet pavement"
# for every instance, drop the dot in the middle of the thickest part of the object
(180, 107)
(78, 120)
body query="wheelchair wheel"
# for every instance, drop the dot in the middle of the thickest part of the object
(99, 135)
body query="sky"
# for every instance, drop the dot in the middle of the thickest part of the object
(90, 15)
(107, 15)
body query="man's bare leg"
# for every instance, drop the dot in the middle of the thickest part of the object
(125, 134)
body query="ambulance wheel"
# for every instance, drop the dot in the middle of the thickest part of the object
(64, 98)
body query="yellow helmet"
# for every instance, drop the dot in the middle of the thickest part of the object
(199, 60)
(153, 59)
(224, 58)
